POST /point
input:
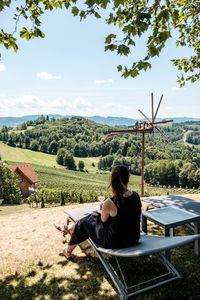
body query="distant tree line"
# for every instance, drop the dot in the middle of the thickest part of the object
(193, 138)
(173, 173)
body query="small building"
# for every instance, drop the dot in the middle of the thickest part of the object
(27, 178)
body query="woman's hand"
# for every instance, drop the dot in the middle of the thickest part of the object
(101, 205)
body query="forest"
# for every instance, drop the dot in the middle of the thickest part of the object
(173, 163)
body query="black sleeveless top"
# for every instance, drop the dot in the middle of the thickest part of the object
(120, 231)
(124, 229)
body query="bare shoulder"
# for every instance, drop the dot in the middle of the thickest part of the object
(108, 203)
(128, 193)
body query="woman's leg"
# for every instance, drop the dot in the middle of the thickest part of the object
(67, 252)
(64, 229)
(70, 228)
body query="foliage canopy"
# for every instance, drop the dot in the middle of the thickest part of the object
(157, 20)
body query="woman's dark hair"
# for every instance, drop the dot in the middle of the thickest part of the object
(119, 180)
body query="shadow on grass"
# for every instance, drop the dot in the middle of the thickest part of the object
(85, 278)
(46, 282)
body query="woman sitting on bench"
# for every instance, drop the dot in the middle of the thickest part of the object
(118, 224)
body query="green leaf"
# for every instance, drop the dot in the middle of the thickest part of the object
(97, 15)
(134, 73)
(37, 22)
(15, 47)
(123, 50)
(118, 2)
(24, 33)
(75, 10)
(119, 68)
(58, 4)
(109, 38)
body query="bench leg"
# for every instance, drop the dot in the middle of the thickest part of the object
(144, 224)
(197, 242)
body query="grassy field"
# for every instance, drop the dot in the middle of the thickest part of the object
(51, 175)
(31, 268)
(19, 155)
(63, 179)
(23, 155)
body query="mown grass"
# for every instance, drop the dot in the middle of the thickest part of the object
(6, 210)
(19, 155)
(32, 269)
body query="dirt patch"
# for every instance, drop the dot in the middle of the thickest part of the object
(193, 196)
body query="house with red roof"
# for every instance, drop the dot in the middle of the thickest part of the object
(26, 176)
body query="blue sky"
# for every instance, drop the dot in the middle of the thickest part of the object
(68, 72)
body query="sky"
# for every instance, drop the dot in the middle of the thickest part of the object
(69, 73)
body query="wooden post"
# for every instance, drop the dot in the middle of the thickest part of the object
(142, 168)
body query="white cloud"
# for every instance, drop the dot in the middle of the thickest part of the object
(47, 76)
(28, 101)
(71, 106)
(32, 104)
(80, 103)
(118, 107)
(175, 88)
(2, 67)
(109, 105)
(122, 107)
(103, 81)
(24, 103)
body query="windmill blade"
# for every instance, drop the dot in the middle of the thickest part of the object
(162, 122)
(144, 116)
(157, 109)
(107, 136)
(152, 110)
(161, 132)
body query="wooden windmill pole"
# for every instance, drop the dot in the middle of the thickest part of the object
(144, 127)
(142, 168)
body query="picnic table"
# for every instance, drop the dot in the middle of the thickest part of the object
(175, 200)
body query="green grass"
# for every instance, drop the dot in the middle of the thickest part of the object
(19, 155)
(6, 210)
(50, 276)
(88, 163)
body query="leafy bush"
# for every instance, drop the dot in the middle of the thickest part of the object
(52, 197)
(9, 190)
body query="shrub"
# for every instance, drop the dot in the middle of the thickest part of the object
(9, 190)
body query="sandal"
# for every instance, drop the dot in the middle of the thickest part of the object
(62, 228)
(67, 255)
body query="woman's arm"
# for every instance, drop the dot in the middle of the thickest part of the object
(107, 210)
